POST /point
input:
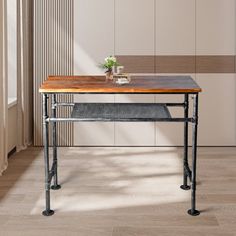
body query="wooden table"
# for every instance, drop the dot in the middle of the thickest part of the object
(121, 112)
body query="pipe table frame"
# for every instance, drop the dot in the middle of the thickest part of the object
(51, 173)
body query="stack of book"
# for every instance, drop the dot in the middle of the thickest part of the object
(121, 78)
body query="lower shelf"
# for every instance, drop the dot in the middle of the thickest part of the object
(120, 112)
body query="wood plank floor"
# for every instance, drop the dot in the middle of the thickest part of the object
(119, 192)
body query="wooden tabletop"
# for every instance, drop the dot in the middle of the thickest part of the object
(138, 84)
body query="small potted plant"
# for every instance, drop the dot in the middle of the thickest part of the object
(110, 63)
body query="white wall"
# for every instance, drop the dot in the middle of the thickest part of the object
(163, 28)
(135, 35)
(93, 41)
(215, 35)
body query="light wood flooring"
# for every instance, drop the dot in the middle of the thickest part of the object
(119, 192)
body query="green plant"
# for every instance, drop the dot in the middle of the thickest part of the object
(109, 63)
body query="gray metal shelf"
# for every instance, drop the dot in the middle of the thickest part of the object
(120, 112)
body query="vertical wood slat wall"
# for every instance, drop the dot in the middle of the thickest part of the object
(53, 55)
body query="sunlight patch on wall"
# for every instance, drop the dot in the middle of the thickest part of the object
(84, 63)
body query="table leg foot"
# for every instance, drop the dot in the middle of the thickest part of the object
(48, 212)
(185, 187)
(193, 212)
(56, 187)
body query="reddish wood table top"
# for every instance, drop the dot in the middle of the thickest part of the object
(138, 84)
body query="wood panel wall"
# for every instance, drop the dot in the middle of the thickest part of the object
(192, 37)
(53, 55)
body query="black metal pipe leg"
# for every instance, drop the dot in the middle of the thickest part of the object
(55, 185)
(47, 211)
(185, 185)
(193, 210)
